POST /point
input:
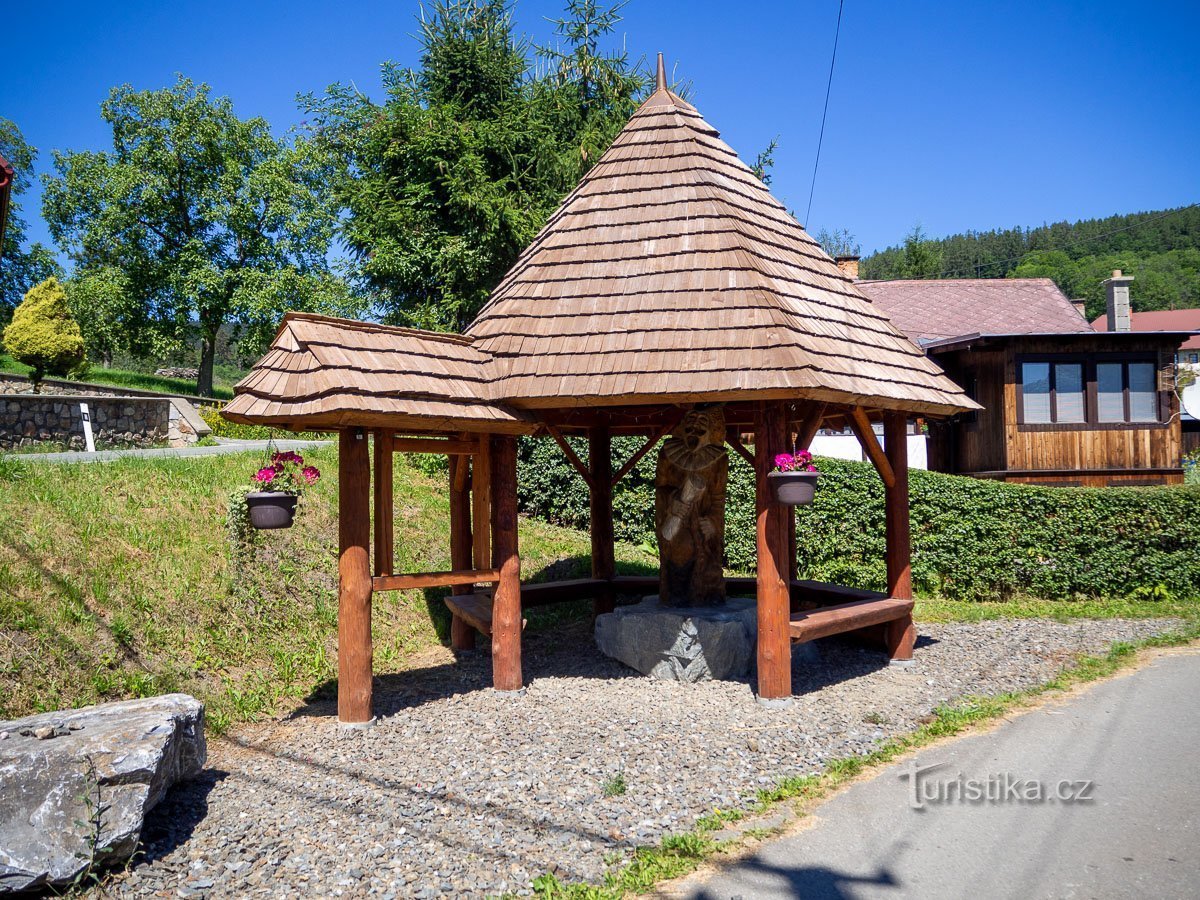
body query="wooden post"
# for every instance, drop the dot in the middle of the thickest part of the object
(384, 503)
(462, 635)
(603, 553)
(481, 498)
(354, 578)
(774, 639)
(900, 635)
(506, 606)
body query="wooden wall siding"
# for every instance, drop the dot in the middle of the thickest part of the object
(1156, 447)
(671, 270)
(980, 445)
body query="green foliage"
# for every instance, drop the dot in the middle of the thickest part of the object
(1161, 249)
(20, 267)
(223, 428)
(111, 319)
(839, 242)
(207, 218)
(972, 539)
(450, 178)
(615, 785)
(42, 334)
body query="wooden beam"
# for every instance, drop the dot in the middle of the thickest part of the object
(735, 441)
(435, 579)
(604, 564)
(861, 426)
(550, 592)
(665, 429)
(569, 453)
(506, 605)
(819, 623)
(900, 635)
(354, 578)
(809, 424)
(460, 472)
(435, 445)
(462, 634)
(481, 499)
(774, 644)
(384, 504)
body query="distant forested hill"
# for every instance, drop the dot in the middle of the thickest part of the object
(1161, 249)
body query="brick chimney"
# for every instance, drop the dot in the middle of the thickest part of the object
(848, 266)
(1116, 289)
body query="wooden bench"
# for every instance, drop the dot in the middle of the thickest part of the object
(826, 620)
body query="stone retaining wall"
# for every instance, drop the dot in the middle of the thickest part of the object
(30, 419)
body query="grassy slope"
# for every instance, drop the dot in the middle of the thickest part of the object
(141, 381)
(116, 581)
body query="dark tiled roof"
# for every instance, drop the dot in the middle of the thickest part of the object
(933, 310)
(1162, 320)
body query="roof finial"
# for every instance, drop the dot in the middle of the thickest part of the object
(662, 75)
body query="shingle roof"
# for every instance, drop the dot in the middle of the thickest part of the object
(669, 274)
(323, 372)
(671, 271)
(932, 310)
(1162, 320)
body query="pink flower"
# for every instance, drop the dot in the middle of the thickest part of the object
(311, 474)
(287, 456)
(784, 462)
(265, 475)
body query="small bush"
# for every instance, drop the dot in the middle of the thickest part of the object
(42, 334)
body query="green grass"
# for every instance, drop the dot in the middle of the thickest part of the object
(116, 581)
(141, 381)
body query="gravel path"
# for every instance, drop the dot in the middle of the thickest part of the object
(459, 791)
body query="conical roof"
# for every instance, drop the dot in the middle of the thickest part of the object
(671, 272)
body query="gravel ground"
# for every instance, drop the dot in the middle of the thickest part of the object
(460, 791)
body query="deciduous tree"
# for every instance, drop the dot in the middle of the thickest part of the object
(206, 216)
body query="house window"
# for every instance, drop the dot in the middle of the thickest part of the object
(1053, 392)
(1066, 390)
(1194, 358)
(1126, 392)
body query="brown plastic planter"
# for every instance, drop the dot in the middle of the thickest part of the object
(793, 488)
(271, 509)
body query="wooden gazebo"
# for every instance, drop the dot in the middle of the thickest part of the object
(670, 277)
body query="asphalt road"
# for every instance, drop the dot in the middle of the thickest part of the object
(1128, 748)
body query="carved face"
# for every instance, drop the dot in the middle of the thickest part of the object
(702, 426)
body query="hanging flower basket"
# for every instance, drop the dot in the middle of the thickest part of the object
(794, 481)
(281, 483)
(271, 509)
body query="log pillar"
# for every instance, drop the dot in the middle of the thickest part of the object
(774, 638)
(384, 503)
(354, 579)
(900, 634)
(506, 606)
(462, 635)
(601, 508)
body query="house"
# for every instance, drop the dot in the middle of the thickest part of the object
(1064, 404)
(1187, 361)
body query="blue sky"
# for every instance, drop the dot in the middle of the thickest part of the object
(953, 115)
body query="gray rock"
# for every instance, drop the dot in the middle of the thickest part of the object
(79, 796)
(679, 643)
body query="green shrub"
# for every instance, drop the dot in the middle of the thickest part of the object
(42, 334)
(972, 539)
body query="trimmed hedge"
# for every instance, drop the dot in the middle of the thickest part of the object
(972, 539)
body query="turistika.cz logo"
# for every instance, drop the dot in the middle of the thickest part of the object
(990, 790)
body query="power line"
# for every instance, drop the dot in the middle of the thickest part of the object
(821, 139)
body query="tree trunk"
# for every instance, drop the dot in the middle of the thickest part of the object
(208, 352)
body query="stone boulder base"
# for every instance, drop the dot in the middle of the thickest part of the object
(75, 786)
(681, 643)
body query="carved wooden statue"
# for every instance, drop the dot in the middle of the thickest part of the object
(689, 510)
